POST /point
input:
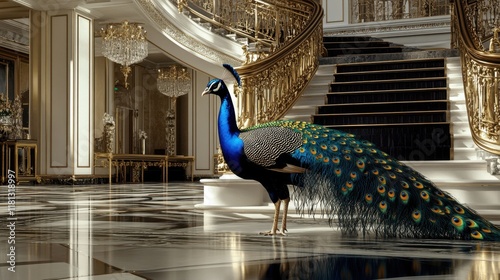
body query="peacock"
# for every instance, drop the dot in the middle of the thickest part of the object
(350, 179)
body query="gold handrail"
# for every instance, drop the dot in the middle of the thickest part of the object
(285, 42)
(474, 24)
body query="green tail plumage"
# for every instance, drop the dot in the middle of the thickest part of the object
(368, 190)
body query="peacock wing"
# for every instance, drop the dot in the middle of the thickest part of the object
(270, 147)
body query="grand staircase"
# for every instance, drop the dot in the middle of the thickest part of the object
(409, 102)
(401, 105)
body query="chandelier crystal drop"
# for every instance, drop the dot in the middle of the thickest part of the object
(124, 43)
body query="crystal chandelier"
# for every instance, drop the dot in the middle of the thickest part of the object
(173, 81)
(124, 43)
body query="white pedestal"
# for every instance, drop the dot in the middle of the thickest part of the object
(230, 190)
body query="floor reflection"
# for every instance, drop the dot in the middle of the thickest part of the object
(154, 231)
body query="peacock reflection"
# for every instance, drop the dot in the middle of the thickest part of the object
(448, 260)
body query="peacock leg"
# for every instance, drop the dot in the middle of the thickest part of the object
(285, 214)
(274, 229)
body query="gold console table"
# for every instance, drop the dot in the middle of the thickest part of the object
(139, 162)
(19, 156)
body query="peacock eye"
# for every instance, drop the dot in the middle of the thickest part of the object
(215, 87)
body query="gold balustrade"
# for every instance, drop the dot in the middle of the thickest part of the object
(476, 25)
(284, 44)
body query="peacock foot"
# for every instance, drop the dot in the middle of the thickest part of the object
(271, 233)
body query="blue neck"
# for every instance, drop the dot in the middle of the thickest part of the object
(227, 119)
(230, 143)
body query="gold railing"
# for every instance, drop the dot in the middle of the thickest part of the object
(382, 10)
(284, 44)
(476, 26)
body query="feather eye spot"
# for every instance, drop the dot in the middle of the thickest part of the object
(471, 224)
(486, 230)
(313, 151)
(398, 170)
(302, 150)
(425, 196)
(360, 164)
(405, 185)
(324, 146)
(404, 196)
(382, 206)
(437, 210)
(313, 142)
(412, 178)
(457, 222)
(336, 160)
(391, 194)
(417, 216)
(334, 148)
(347, 157)
(343, 190)
(458, 209)
(381, 190)
(342, 143)
(354, 175)
(439, 193)
(326, 160)
(358, 150)
(349, 185)
(392, 175)
(338, 171)
(387, 167)
(375, 172)
(382, 180)
(418, 185)
(368, 198)
(476, 235)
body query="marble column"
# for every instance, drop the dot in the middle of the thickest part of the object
(61, 115)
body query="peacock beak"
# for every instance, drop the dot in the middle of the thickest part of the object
(206, 91)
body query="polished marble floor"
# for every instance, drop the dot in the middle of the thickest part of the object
(155, 231)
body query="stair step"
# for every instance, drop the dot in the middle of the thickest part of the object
(389, 84)
(387, 95)
(349, 39)
(390, 65)
(356, 45)
(376, 107)
(369, 118)
(414, 73)
(368, 50)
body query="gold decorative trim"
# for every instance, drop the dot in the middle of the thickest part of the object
(180, 37)
(480, 71)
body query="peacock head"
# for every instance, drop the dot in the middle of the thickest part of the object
(218, 87)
